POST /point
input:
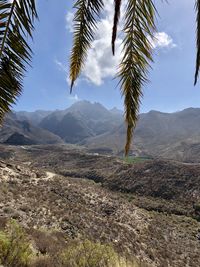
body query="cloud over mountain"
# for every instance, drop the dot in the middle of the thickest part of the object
(100, 63)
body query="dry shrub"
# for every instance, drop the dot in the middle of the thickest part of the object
(43, 261)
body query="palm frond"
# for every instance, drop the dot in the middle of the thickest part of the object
(137, 55)
(197, 6)
(85, 20)
(115, 23)
(16, 24)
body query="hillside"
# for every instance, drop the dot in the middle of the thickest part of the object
(82, 120)
(71, 190)
(16, 132)
(34, 117)
(166, 135)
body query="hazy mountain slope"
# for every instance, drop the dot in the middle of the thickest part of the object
(34, 117)
(116, 111)
(73, 129)
(70, 127)
(91, 111)
(171, 135)
(167, 135)
(82, 120)
(17, 132)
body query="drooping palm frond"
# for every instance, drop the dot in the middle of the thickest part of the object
(85, 20)
(197, 7)
(16, 24)
(115, 23)
(137, 54)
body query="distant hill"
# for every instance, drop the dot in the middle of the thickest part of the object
(16, 132)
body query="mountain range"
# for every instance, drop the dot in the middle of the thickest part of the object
(22, 132)
(167, 135)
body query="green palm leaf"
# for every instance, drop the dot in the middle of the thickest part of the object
(16, 24)
(115, 23)
(137, 54)
(85, 20)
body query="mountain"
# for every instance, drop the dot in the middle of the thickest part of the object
(116, 111)
(82, 120)
(16, 132)
(91, 111)
(72, 125)
(158, 134)
(34, 117)
(170, 135)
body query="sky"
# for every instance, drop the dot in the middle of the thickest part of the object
(170, 87)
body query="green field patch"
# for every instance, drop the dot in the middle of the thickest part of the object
(132, 159)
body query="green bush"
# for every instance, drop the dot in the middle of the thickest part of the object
(88, 254)
(14, 246)
(15, 251)
(132, 160)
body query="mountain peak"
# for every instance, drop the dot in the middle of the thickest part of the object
(115, 110)
(86, 104)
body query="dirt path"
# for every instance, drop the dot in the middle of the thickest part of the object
(49, 175)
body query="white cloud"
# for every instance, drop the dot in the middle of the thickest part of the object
(100, 63)
(162, 40)
(69, 21)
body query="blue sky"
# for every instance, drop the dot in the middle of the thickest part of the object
(171, 78)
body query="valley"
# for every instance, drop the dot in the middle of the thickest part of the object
(149, 210)
(64, 172)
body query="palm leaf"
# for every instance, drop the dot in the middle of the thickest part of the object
(85, 20)
(16, 24)
(198, 41)
(115, 23)
(137, 55)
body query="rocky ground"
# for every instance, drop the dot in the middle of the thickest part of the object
(148, 209)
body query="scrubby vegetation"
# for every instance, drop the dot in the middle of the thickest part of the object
(16, 250)
(141, 209)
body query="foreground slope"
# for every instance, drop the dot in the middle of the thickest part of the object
(55, 188)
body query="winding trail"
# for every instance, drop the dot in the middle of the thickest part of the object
(49, 175)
